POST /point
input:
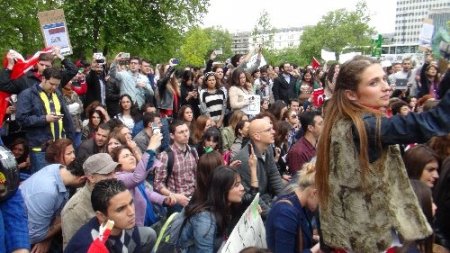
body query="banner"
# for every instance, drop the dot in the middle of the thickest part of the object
(255, 105)
(54, 29)
(249, 231)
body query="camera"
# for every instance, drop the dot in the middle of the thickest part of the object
(125, 56)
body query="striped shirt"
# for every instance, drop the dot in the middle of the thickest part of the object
(213, 103)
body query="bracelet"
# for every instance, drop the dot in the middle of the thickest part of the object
(254, 181)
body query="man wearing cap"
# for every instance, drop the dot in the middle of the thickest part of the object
(78, 210)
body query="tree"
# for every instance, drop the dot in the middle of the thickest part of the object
(19, 25)
(263, 31)
(337, 30)
(220, 38)
(148, 28)
(195, 47)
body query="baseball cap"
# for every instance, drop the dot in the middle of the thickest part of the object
(100, 163)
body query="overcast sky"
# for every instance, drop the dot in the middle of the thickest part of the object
(241, 15)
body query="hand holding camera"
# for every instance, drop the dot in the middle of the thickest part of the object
(174, 62)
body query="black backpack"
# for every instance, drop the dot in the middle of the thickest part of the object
(171, 158)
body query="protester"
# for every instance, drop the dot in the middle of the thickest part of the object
(180, 183)
(212, 99)
(60, 151)
(95, 144)
(43, 115)
(284, 85)
(112, 201)
(45, 194)
(95, 119)
(288, 226)
(78, 210)
(422, 163)
(305, 148)
(261, 133)
(207, 221)
(363, 160)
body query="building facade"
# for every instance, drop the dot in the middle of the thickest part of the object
(410, 15)
(277, 39)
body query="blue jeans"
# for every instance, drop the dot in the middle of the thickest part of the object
(76, 139)
(37, 160)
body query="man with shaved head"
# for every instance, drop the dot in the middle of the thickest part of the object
(269, 185)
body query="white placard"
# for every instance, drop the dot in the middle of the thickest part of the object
(426, 34)
(255, 105)
(327, 56)
(252, 61)
(54, 29)
(249, 231)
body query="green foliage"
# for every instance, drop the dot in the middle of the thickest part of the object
(199, 43)
(195, 47)
(152, 29)
(337, 30)
(220, 38)
(291, 55)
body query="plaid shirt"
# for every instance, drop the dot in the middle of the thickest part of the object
(183, 177)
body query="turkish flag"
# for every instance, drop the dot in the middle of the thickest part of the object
(315, 63)
(20, 67)
(318, 97)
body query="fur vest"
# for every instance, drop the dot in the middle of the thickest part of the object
(361, 216)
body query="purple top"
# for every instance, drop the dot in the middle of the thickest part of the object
(133, 179)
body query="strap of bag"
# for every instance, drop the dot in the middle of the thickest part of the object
(150, 217)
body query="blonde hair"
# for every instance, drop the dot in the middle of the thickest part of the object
(307, 175)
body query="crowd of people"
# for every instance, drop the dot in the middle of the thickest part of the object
(361, 167)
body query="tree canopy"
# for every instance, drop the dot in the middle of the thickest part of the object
(337, 30)
(151, 28)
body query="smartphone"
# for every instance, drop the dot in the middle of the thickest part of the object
(125, 55)
(175, 61)
(60, 115)
(218, 51)
(155, 128)
(250, 149)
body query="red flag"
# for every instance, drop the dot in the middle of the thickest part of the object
(20, 67)
(315, 63)
(318, 97)
(98, 245)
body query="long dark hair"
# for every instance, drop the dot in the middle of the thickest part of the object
(134, 110)
(206, 164)
(423, 194)
(220, 182)
(340, 107)
(212, 133)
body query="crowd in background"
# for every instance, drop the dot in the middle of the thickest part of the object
(132, 141)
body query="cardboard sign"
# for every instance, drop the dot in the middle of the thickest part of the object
(54, 29)
(255, 105)
(249, 231)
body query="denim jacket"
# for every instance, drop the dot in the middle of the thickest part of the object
(199, 234)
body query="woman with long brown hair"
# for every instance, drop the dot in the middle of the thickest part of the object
(366, 201)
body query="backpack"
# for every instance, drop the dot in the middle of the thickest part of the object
(167, 241)
(171, 158)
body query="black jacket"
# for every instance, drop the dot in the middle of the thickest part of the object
(283, 90)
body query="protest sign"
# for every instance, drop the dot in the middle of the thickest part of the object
(426, 35)
(253, 59)
(249, 231)
(254, 106)
(54, 29)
